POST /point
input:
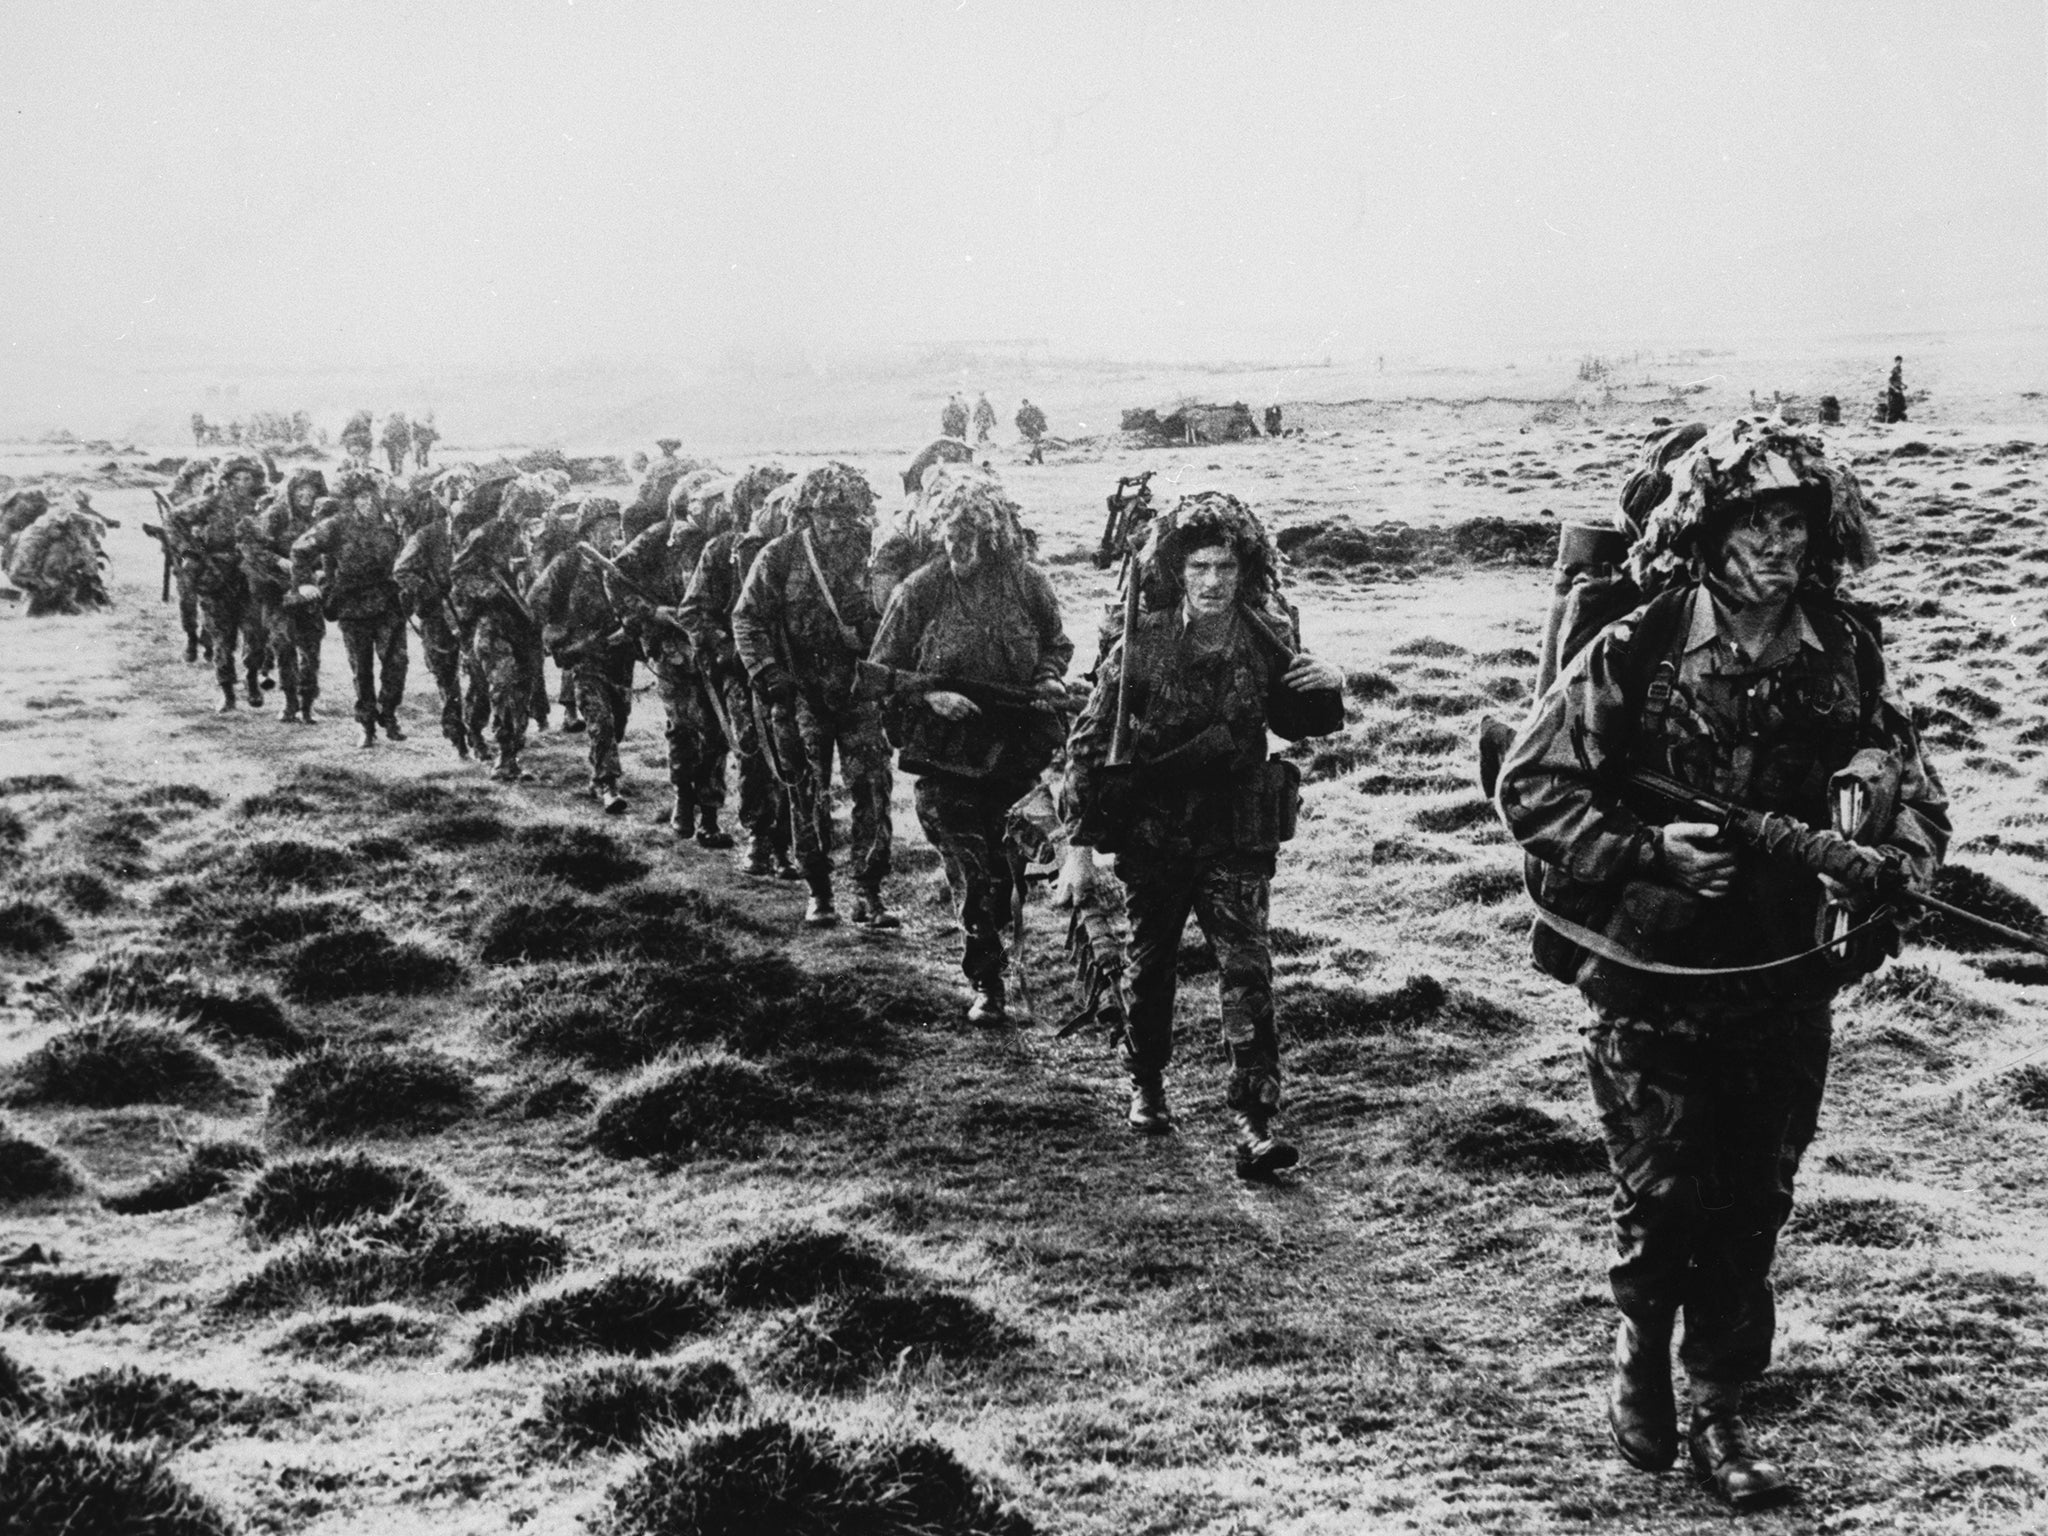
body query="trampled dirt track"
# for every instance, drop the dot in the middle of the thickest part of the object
(1409, 1337)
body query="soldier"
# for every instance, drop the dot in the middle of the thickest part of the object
(397, 441)
(984, 418)
(209, 534)
(706, 612)
(355, 545)
(356, 440)
(1197, 817)
(983, 615)
(803, 620)
(1031, 424)
(953, 418)
(56, 560)
(424, 436)
(1895, 392)
(549, 525)
(1749, 677)
(499, 635)
(293, 623)
(581, 628)
(423, 574)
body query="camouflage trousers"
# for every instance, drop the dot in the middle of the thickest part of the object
(966, 820)
(232, 619)
(501, 651)
(538, 701)
(295, 631)
(602, 688)
(807, 734)
(1705, 1124)
(377, 660)
(1231, 902)
(188, 608)
(764, 808)
(696, 745)
(442, 648)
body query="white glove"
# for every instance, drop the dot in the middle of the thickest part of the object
(309, 592)
(952, 706)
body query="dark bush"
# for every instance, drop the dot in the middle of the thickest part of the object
(37, 784)
(53, 1482)
(588, 858)
(31, 1171)
(106, 1060)
(706, 1104)
(613, 1407)
(852, 1337)
(225, 1014)
(63, 1299)
(1506, 1138)
(1977, 892)
(132, 1404)
(248, 928)
(210, 1169)
(369, 1090)
(327, 1190)
(31, 928)
(357, 1334)
(1314, 1009)
(365, 962)
(291, 861)
(791, 1265)
(619, 1015)
(460, 1263)
(625, 1312)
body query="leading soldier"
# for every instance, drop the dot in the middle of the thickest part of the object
(210, 535)
(354, 547)
(1748, 677)
(978, 614)
(292, 622)
(1196, 811)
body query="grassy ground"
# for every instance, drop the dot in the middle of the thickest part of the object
(332, 952)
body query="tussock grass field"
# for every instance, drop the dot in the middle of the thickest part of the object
(386, 1150)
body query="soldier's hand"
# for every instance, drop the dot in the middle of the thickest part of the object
(1695, 860)
(952, 706)
(1053, 690)
(309, 592)
(1074, 883)
(1310, 674)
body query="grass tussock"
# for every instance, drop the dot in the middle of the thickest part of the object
(304, 1194)
(792, 1265)
(613, 1014)
(128, 1403)
(617, 1406)
(53, 1481)
(1977, 892)
(61, 1299)
(533, 920)
(545, 1097)
(368, 1090)
(1455, 815)
(84, 891)
(106, 1060)
(351, 1336)
(588, 858)
(450, 1261)
(31, 1171)
(701, 1105)
(453, 829)
(1921, 994)
(29, 927)
(1370, 687)
(248, 929)
(21, 1389)
(209, 1169)
(853, 1337)
(1862, 1221)
(291, 862)
(13, 832)
(1506, 1138)
(634, 1311)
(1319, 1010)
(363, 961)
(269, 803)
(37, 784)
(2028, 1087)
(223, 1013)
(191, 797)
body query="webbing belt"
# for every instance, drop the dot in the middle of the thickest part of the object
(1607, 949)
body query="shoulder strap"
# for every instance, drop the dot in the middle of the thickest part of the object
(817, 570)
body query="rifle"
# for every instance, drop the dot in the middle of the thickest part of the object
(154, 532)
(611, 569)
(872, 681)
(1129, 512)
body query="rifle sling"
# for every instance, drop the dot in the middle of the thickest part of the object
(824, 587)
(1599, 944)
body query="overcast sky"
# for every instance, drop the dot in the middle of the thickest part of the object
(354, 182)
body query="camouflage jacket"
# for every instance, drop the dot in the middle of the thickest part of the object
(480, 579)
(1764, 732)
(1196, 803)
(423, 573)
(784, 627)
(999, 625)
(267, 540)
(209, 534)
(708, 603)
(659, 560)
(354, 553)
(577, 619)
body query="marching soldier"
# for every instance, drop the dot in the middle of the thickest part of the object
(498, 630)
(209, 534)
(1193, 808)
(581, 629)
(293, 622)
(424, 576)
(356, 544)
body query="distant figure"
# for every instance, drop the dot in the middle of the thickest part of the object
(397, 441)
(984, 418)
(355, 437)
(1895, 392)
(1031, 423)
(1272, 421)
(424, 436)
(953, 419)
(1830, 411)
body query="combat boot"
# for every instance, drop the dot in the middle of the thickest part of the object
(1254, 1099)
(191, 647)
(682, 816)
(459, 742)
(990, 1000)
(369, 734)
(760, 856)
(608, 796)
(255, 693)
(572, 722)
(870, 912)
(708, 833)
(391, 730)
(1149, 1115)
(228, 702)
(785, 866)
(289, 715)
(1642, 1415)
(819, 911)
(506, 769)
(478, 747)
(306, 708)
(1723, 1456)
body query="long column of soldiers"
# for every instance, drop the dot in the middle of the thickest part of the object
(1703, 641)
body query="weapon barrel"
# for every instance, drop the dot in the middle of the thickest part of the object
(1120, 734)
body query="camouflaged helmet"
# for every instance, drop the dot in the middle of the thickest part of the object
(752, 488)
(1200, 521)
(242, 462)
(480, 506)
(1724, 474)
(357, 482)
(995, 517)
(594, 510)
(835, 487)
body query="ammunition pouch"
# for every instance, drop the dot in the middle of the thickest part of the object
(1268, 806)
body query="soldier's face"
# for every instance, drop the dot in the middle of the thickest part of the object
(302, 498)
(1762, 557)
(832, 525)
(603, 536)
(364, 503)
(963, 545)
(242, 482)
(1211, 578)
